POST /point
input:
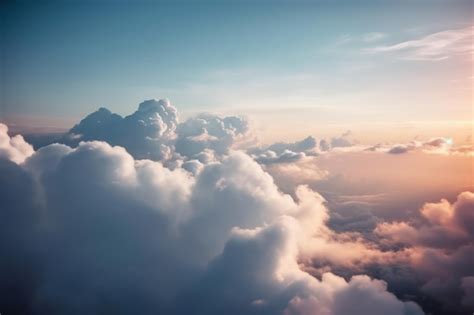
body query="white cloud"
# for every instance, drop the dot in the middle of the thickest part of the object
(209, 132)
(147, 133)
(373, 36)
(154, 132)
(104, 232)
(434, 47)
(207, 229)
(13, 148)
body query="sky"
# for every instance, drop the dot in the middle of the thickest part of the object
(317, 67)
(237, 157)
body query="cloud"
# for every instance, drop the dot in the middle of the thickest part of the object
(446, 223)
(287, 156)
(399, 149)
(442, 248)
(268, 278)
(93, 230)
(145, 134)
(438, 145)
(13, 148)
(434, 47)
(373, 36)
(282, 152)
(425, 251)
(209, 132)
(154, 132)
(205, 227)
(343, 141)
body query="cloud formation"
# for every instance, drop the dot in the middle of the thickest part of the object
(154, 132)
(173, 218)
(209, 132)
(443, 249)
(98, 231)
(13, 148)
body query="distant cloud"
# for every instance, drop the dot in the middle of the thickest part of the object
(439, 145)
(13, 148)
(287, 156)
(283, 152)
(399, 149)
(372, 37)
(434, 47)
(442, 248)
(360, 38)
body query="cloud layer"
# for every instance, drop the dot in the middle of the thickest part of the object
(100, 232)
(146, 214)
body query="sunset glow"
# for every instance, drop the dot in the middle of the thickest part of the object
(237, 157)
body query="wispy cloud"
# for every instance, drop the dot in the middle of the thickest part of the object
(374, 36)
(434, 47)
(366, 38)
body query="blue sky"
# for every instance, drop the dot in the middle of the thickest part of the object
(62, 60)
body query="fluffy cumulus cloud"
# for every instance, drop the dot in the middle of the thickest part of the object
(442, 249)
(90, 229)
(209, 132)
(146, 214)
(145, 134)
(444, 224)
(154, 132)
(13, 148)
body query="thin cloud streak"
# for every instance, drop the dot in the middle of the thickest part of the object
(434, 47)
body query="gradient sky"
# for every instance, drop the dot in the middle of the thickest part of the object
(332, 64)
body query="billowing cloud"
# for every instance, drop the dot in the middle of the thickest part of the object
(173, 218)
(154, 132)
(145, 134)
(446, 224)
(13, 148)
(442, 247)
(92, 230)
(209, 132)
